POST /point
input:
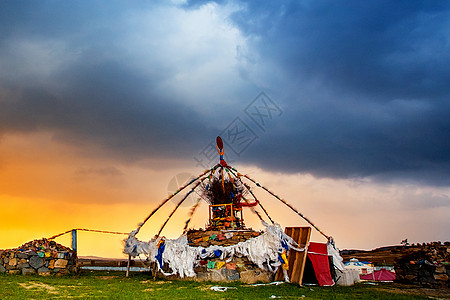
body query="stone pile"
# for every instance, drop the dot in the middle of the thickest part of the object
(428, 265)
(215, 269)
(240, 268)
(41, 257)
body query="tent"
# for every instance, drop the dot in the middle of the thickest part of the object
(380, 275)
(318, 254)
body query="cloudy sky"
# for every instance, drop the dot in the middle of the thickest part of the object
(340, 107)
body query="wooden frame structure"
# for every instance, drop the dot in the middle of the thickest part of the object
(226, 216)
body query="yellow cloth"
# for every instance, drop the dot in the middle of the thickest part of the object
(220, 264)
(286, 263)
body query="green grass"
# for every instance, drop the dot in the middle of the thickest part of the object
(114, 285)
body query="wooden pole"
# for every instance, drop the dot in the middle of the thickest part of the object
(128, 265)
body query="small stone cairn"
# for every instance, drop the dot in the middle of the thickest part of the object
(426, 264)
(41, 257)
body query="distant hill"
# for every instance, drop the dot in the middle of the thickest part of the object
(379, 256)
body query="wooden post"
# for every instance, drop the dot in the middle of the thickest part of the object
(128, 265)
(74, 240)
(155, 270)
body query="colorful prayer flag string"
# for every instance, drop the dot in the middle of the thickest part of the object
(191, 213)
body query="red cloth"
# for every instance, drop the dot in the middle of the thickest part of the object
(318, 254)
(380, 275)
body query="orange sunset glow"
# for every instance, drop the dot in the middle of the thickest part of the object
(47, 189)
(343, 115)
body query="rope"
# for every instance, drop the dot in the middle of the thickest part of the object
(84, 229)
(55, 236)
(102, 231)
(288, 205)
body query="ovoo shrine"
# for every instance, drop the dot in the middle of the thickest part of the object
(226, 249)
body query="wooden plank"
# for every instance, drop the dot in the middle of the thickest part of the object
(296, 259)
(303, 242)
(294, 233)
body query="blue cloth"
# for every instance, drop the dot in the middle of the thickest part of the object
(158, 256)
(217, 253)
(280, 258)
(284, 244)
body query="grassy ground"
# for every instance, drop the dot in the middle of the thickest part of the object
(114, 285)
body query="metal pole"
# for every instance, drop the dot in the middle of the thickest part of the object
(74, 240)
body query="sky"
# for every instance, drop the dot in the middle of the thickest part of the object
(339, 107)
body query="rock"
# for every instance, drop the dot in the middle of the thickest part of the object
(60, 263)
(254, 276)
(264, 276)
(22, 261)
(22, 266)
(22, 255)
(36, 262)
(2, 269)
(5, 260)
(62, 272)
(442, 277)
(43, 271)
(14, 271)
(28, 271)
(203, 276)
(232, 275)
(216, 275)
(12, 261)
(51, 264)
(248, 277)
(410, 277)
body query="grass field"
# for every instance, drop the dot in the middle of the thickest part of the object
(114, 285)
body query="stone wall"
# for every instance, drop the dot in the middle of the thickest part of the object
(41, 257)
(239, 268)
(428, 265)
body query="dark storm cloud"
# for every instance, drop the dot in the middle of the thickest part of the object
(363, 84)
(367, 86)
(95, 100)
(105, 106)
(381, 48)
